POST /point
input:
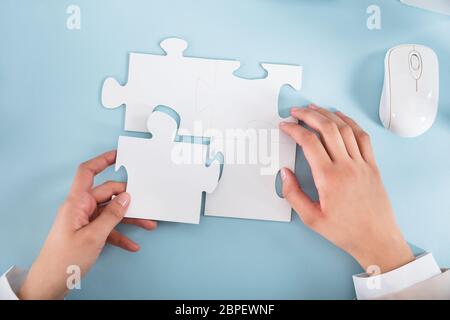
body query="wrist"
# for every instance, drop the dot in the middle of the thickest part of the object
(384, 258)
(42, 284)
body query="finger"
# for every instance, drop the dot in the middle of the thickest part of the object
(110, 216)
(146, 224)
(105, 191)
(86, 172)
(314, 151)
(327, 128)
(307, 210)
(362, 138)
(119, 240)
(345, 130)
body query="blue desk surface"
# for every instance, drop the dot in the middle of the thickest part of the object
(51, 119)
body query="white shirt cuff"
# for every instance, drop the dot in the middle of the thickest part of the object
(10, 283)
(422, 268)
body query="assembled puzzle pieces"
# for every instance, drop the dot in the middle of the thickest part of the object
(165, 181)
(214, 103)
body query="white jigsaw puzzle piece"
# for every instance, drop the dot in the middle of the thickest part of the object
(165, 178)
(244, 104)
(172, 80)
(206, 92)
(246, 111)
(247, 190)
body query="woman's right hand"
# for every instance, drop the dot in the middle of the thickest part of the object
(353, 210)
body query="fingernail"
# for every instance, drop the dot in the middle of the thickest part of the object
(313, 106)
(283, 174)
(123, 199)
(294, 109)
(282, 123)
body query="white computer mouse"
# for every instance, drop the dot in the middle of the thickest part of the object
(409, 102)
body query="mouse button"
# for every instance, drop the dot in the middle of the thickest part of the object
(423, 114)
(398, 108)
(398, 55)
(428, 85)
(399, 67)
(401, 81)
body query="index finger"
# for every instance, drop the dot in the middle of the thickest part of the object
(314, 151)
(84, 178)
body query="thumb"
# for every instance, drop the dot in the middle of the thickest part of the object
(110, 216)
(307, 210)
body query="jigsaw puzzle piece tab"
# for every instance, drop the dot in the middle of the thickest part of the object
(113, 94)
(174, 47)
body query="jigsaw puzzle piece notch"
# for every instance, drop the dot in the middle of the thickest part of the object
(250, 71)
(282, 75)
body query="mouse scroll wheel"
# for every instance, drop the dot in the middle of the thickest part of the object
(415, 62)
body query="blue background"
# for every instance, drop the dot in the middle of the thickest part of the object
(51, 119)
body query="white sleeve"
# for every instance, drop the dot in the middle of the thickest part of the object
(422, 268)
(10, 283)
